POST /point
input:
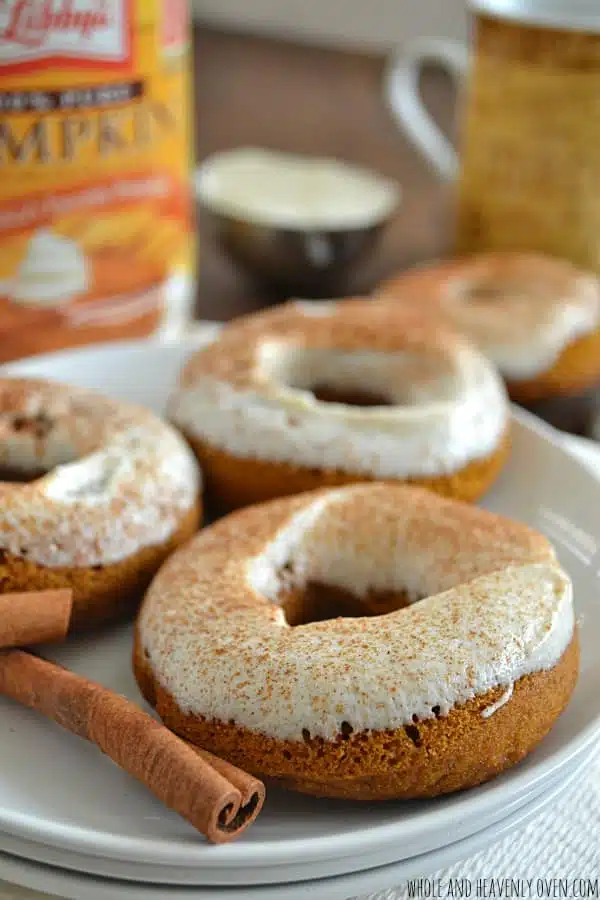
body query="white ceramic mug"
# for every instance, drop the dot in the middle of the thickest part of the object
(403, 95)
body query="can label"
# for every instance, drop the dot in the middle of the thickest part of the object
(96, 236)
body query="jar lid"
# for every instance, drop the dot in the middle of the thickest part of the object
(572, 15)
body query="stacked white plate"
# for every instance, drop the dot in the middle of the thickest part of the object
(73, 824)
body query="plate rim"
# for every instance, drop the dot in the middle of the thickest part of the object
(199, 332)
(582, 761)
(466, 848)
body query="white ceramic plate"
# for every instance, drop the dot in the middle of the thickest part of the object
(81, 887)
(181, 876)
(57, 791)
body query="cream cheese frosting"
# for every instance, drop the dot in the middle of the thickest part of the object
(521, 310)
(118, 478)
(250, 392)
(497, 607)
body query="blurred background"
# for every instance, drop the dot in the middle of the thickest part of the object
(344, 23)
(307, 76)
(319, 79)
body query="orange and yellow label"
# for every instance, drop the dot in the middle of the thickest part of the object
(96, 232)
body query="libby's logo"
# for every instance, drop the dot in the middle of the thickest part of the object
(31, 21)
(60, 30)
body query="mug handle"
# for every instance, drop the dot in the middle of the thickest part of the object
(404, 98)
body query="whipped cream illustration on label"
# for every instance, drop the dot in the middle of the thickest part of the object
(52, 272)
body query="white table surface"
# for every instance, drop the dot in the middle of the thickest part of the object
(556, 856)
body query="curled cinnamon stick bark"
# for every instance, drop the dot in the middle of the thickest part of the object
(218, 799)
(35, 617)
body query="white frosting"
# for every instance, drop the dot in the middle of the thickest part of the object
(489, 711)
(450, 410)
(287, 191)
(52, 272)
(520, 351)
(522, 310)
(498, 607)
(118, 478)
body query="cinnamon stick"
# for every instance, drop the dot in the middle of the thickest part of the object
(218, 799)
(35, 617)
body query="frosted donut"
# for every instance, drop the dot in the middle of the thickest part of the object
(287, 639)
(536, 318)
(314, 394)
(94, 495)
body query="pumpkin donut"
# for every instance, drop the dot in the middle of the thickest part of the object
(287, 638)
(314, 394)
(536, 318)
(94, 495)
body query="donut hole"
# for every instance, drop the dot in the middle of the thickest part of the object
(484, 292)
(19, 476)
(15, 474)
(39, 425)
(320, 602)
(356, 397)
(24, 445)
(322, 566)
(355, 378)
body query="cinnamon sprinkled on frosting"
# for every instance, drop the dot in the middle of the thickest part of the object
(118, 478)
(522, 310)
(498, 606)
(250, 392)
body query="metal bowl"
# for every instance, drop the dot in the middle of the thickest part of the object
(308, 261)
